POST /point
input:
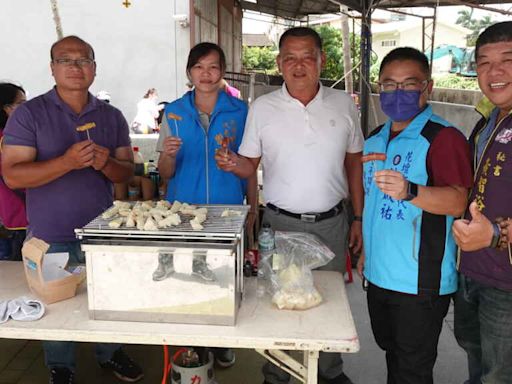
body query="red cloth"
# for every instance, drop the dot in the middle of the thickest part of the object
(447, 144)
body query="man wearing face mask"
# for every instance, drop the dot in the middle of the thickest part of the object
(413, 191)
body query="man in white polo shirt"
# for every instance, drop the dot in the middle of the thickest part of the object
(310, 142)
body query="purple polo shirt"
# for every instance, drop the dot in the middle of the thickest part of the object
(46, 123)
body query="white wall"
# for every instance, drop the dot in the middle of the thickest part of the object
(412, 37)
(136, 48)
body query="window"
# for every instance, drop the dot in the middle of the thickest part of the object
(388, 43)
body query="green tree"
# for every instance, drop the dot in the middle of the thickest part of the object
(475, 25)
(466, 18)
(259, 58)
(332, 45)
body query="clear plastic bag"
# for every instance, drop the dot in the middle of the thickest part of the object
(297, 254)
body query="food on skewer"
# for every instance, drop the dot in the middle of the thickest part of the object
(86, 128)
(173, 116)
(373, 157)
(225, 144)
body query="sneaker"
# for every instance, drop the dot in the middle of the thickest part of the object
(61, 376)
(162, 272)
(201, 269)
(225, 357)
(124, 368)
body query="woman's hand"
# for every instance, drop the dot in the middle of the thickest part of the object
(172, 145)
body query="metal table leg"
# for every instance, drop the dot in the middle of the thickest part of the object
(306, 373)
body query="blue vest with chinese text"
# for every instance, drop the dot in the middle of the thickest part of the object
(407, 249)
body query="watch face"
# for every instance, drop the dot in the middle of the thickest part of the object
(412, 191)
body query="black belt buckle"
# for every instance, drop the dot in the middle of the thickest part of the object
(309, 217)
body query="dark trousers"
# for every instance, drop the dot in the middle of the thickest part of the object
(407, 328)
(483, 327)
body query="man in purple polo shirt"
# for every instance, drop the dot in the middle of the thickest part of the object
(483, 303)
(67, 148)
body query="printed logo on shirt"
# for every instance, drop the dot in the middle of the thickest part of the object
(504, 136)
(397, 159)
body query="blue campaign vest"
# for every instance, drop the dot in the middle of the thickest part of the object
(197, 179)
(407, 249)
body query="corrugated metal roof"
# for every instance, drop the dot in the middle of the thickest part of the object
(298, 9)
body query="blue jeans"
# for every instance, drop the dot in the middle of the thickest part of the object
(483, 327)
(62, 353)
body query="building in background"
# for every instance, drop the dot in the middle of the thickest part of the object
(408, 33)
(138, 44)
(259, 40)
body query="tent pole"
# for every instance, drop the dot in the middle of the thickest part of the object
(364, 78)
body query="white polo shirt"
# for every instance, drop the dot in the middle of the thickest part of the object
(303, 147)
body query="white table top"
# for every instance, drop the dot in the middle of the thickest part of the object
(260, 325)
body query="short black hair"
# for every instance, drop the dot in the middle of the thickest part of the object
(71, 37)
(8, 94)
(406, 53)
(201, 50)
(496, 33)
(301, 32)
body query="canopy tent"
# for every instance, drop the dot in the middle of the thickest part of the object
(300, 9)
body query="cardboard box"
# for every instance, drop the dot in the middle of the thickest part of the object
(47, 276)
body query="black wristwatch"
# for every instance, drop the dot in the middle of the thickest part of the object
(412, 191)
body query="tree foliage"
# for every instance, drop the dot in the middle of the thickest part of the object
(475, 25)
(333, 47)
(264, 58)
(259, 58)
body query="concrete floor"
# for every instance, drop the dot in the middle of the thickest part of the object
(22, 362)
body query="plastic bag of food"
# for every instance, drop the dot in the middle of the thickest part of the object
(297, 254)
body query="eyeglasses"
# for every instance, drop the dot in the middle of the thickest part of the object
(72, 62)
(408, 85)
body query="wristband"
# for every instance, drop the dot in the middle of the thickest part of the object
(358, 218)
(495, 241)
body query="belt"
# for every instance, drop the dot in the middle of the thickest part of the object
(309, 217)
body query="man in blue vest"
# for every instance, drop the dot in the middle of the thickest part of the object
(483, 303)
(417, 172)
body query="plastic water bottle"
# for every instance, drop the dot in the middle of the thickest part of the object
(266, 246)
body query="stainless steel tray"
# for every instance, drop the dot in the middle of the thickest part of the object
(215, 227)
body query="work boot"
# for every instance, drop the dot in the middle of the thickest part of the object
(165, 267)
